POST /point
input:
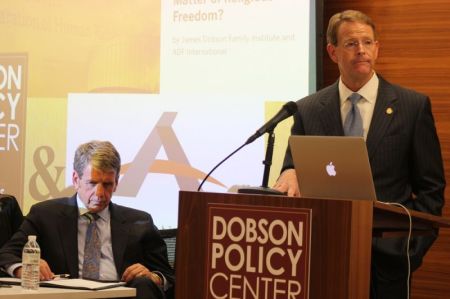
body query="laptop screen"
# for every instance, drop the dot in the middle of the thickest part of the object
(332, 167)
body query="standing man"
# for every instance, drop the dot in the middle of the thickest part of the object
(401, 139)
(89, 236)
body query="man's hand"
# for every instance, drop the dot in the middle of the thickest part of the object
(45, 273)
(287, 183)
(136, 270)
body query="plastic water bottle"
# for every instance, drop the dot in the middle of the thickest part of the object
(31, 255)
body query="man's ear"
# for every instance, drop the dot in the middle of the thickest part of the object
(75, 180)
(331, 49)
(375, 52)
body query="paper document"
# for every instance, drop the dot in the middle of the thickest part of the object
(82, 284)
(10, 280)
(76, 283)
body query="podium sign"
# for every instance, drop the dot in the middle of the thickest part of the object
(257, 252)
(248, 246)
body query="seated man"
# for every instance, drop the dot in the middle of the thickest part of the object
(89, 236)
(10, 219)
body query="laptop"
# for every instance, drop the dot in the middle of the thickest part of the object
(332, 167)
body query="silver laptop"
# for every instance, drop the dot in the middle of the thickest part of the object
(332, 167)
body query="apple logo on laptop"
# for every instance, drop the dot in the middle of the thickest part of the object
(330, 169)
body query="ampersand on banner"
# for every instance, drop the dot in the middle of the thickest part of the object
(42, 174)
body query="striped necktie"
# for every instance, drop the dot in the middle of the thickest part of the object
(92, 246)
(353, 122)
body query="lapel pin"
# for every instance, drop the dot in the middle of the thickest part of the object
(389, 111)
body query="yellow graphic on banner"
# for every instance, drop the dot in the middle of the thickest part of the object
(85, 46)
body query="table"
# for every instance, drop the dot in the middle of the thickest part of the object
(16, 292)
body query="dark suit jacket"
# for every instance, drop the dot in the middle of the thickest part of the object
(10, 217)
(404, 154)
(134, 237)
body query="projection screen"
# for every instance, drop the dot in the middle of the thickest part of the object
(175, 85)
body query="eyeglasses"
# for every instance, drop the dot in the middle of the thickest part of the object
(354, 44)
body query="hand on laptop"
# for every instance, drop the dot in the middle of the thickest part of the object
(287, 183)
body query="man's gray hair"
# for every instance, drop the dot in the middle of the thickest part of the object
(102, 155)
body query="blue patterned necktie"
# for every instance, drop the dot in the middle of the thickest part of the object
(353, 122)
(92, 246)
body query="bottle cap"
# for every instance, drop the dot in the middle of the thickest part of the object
(31, 238)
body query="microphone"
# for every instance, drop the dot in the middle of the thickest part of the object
(287, 110)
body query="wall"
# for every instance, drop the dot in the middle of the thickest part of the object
(415, 46)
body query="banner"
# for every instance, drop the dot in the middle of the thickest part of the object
(13, 96)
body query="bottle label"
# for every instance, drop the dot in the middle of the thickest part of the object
(30, 259)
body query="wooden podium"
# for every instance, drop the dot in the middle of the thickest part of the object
(340, 241)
